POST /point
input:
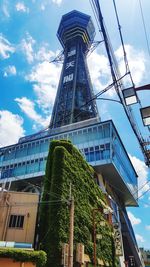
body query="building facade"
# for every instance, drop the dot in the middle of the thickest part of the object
(145, 256)
(75, 118)
(18, 218)
(11, 263)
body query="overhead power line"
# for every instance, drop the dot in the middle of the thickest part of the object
(118, 84)
(144, 26)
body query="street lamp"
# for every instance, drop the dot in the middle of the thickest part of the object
(145, 114)
(130, 96)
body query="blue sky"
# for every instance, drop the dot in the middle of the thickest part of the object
(28, 82)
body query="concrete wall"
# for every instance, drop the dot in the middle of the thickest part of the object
(11, 263)
(18, 203)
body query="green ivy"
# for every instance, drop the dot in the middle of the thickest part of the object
(66, 165)
(37, 257)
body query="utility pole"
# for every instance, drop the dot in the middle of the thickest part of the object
(71, 229)
(94, 236)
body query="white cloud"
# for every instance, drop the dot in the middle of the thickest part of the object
(42, 7)
(10, 128)
(20, 6)
(10, 71)
(6, 48)
(45, 96)
(5, 8)
(44, 54)
(133, 219)
(147, 227)
(27, 47)
(139, 238)
(57, 2)
(99, 71)
(136, 61)
(28, 107)
(45, 77)
(142, 171)
(48, 2)
(45, 73)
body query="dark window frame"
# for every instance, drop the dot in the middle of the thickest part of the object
(16, 221)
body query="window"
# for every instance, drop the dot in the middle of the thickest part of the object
(16, 221)
(94, 129)
(89, 130)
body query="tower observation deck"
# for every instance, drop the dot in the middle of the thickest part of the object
(76, 33)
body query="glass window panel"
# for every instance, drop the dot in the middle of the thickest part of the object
(92, 158)
(97, 155)
(87, 156)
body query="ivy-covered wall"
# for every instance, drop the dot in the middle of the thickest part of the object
(66, 165)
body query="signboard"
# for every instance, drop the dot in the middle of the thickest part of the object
(65, 251)
(118, 239)
(80, 253)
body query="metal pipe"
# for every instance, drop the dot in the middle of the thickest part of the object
(71, 231)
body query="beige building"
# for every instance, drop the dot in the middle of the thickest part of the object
(4, 262)
(18, 212)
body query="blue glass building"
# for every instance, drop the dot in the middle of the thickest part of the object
(75, 117)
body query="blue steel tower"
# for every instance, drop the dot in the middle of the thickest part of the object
(76, 33)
